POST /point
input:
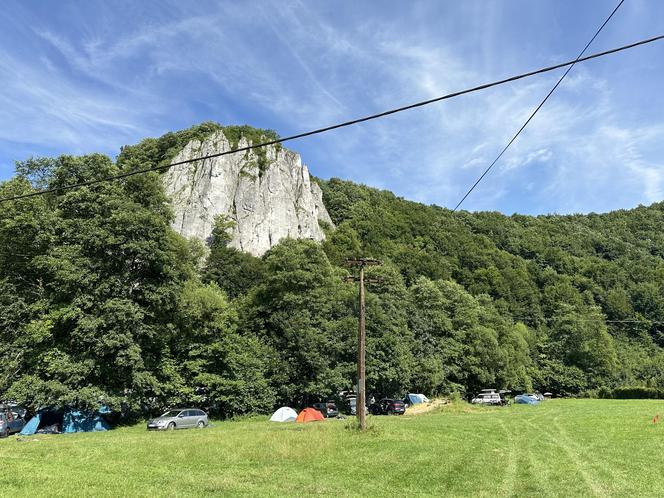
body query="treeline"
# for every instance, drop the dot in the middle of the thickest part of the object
(101, 301)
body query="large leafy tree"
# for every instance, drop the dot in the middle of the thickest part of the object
(101, 274)
(463, 342)
(221, 368)
(303, 311)
(236, 272)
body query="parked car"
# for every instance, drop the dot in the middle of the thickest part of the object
(329, 409)
(388, 406)
(11, 420)
(181, 418)
(489, 398)
(352, 406)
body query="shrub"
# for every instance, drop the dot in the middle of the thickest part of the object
(637, 392)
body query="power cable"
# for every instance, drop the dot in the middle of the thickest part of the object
(336, 126)
(568, 319)
(537, 108)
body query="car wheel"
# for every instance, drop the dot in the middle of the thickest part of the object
(390, 412)
(170, 426)
(200, 424)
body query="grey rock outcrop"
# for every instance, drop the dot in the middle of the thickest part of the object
(266, 206)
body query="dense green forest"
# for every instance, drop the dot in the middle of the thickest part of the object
(102, 302)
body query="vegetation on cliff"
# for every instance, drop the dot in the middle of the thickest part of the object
(154, 152)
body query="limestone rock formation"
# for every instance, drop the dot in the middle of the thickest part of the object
(268, 194)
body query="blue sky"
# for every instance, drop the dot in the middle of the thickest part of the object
(80, 77)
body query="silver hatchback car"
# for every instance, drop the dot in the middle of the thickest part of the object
(183, 418)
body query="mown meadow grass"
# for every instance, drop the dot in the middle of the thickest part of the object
(559, 448)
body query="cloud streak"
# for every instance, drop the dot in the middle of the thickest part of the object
(293, 66)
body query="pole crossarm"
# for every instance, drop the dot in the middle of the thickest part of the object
(367, 280)
(363, 262)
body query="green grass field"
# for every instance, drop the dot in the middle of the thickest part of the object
(560, 448)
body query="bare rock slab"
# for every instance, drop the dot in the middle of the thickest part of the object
(267, 204)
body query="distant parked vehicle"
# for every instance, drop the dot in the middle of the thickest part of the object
(329, 409)
(11, 420)
(352, 406)
(179, 419)
(487, 397)
(388, 406)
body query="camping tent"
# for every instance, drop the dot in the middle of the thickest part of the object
(67, 420)
(415, 399)
(309, 415)
(284, 414)
(526, 399)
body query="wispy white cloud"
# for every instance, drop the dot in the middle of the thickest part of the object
(46, 110)
(293, 65)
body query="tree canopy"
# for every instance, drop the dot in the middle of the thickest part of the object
(102, 302)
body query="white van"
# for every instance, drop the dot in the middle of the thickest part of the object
(487, 398)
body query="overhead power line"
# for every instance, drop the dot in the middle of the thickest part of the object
(645, 321)
(578, 59)
(336, 126)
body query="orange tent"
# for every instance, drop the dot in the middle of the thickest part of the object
(309, 415)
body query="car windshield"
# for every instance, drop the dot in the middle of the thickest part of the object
(172, 413)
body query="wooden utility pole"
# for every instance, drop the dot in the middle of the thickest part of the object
(360, 404)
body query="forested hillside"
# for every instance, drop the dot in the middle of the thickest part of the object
(589, 288)
(101, 301)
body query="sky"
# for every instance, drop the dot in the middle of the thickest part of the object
(81, 77)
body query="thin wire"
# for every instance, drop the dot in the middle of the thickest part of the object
(537, 108)
(551, 319)
(336, 126)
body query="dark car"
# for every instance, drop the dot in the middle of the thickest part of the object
(388, 406)
(11, 420)
(329, 409)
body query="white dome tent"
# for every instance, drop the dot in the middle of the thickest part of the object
(284, 414)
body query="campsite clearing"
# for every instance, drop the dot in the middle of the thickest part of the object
(560, 447)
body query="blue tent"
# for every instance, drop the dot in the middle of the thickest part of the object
(526, 399)
(68, 420)
(415, 399)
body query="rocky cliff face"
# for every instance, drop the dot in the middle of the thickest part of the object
(280, 201)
